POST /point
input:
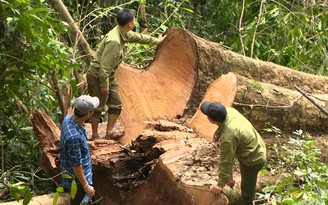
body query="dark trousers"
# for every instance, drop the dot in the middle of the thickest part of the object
(248, 182)
(79, 195)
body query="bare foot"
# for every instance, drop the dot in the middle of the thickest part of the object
(94, 137)
(115, 135)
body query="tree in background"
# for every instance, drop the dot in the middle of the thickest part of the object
(289, 33)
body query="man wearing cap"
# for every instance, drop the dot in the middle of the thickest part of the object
(238, 138)
(75, 158)
(101, 74)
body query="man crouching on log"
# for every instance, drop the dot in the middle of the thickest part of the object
(75, 158)
(238, 137)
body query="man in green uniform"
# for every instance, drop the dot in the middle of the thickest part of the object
(237, 138)
(101, 75)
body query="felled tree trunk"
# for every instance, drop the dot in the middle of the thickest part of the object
(153, 170)
(171, 164)
(186, 65)
(262, 103)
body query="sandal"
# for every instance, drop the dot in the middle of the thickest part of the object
(115, 135)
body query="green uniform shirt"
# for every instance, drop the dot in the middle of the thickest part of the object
(238, 138)
(110, 52)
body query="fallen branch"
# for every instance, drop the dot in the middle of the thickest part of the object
(311, 100)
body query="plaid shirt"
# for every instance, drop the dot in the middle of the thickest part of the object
(74, 150)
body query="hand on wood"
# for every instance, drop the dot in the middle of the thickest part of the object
(161, 38)
(216, 189)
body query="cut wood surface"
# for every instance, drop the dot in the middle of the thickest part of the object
(163, 89)
(223, 90)
(167, 144)
(152, 168)
(183, 69)
(262, 103)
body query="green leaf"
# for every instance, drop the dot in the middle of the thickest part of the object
(323, 183)
(187, 9)
(67, 176)
(54, 202)
(27, 196)
(37, 10)
(60, 189)
(73, 189)
(288, 201)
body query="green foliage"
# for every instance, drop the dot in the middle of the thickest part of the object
(284, 32)
(305, 180)
(31, 53)
(60, 189)
(19, 190)
(20, 171)
(163, 15)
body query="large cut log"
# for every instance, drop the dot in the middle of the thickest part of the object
(151, 169)
(214, 60)
(163, 89)
(262, 103)
(158, 157)
(184, 67)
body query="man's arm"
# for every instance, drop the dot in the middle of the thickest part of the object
(78, 172)
(228, 148)
(134, 37)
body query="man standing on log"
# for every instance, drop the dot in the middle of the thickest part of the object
(75, 158)
(238, 138)
(101, 75)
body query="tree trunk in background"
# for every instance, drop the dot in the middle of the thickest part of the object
(142, 17)
(215, 60)
(76, 33)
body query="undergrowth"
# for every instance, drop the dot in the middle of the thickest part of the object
(303, 177)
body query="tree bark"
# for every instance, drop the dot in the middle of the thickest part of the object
(215, 60)
(263, 103)
(175, 83)
(49, 137)
(149, 171)
(143, 17)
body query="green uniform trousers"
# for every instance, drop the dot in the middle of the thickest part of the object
(248, 182)
(113, 100)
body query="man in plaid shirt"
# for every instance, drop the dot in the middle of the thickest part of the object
(75, 158)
